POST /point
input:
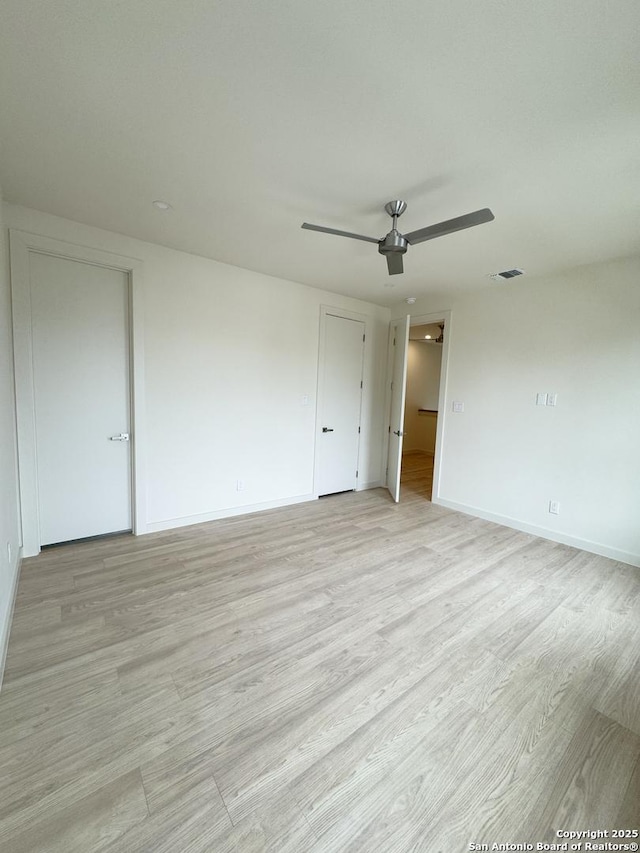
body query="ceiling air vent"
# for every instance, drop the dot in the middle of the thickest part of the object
(506, 274)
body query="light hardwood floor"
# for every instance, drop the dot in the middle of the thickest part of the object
(416, 481)
(345, 675)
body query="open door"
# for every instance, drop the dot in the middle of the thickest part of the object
(399, 340)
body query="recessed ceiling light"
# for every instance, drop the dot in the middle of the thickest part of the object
(410, 300)
(162, 205)
(427, 337)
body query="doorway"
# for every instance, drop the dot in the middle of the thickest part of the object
(78, 362)
(417, 367)
(424, 366)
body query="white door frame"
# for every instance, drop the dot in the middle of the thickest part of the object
(21, 244)
(420, 320)
(346, 315)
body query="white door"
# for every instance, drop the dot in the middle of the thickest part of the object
(80, 334)
(339, 427)
(400, 343)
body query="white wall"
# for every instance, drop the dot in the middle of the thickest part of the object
(9, 526)
(423, 374)
(423, 385)
(229, 355)
(576, 335)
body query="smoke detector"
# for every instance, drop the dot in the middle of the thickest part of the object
(410, 300)
(506, 274)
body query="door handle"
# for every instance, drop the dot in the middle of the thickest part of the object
(326, 429)
(398, 432)
(124, 436)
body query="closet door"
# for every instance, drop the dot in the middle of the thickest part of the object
(80, 333)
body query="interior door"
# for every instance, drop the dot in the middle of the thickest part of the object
(80, 334)
(338, 438)
(400, 342)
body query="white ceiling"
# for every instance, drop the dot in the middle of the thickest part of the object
(250, 117)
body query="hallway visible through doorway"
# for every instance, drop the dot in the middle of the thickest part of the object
(421, 410)
(416, 479)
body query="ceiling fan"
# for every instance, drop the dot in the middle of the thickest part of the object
(395, 244)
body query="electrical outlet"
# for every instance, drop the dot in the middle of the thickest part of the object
(240, 485)
(554, 507)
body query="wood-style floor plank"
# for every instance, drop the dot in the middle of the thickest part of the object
(588, 787)
(343, 675)
(91, 823)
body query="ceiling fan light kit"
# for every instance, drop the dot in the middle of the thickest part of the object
(394, 245)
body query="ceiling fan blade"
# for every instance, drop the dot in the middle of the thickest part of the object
(339, 233)
(448, 227)
(394, 263)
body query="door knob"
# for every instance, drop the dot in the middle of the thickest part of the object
(124, 436)
(326, 429)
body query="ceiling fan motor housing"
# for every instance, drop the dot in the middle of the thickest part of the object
(394, 242)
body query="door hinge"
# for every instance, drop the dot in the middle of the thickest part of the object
(356, 475)
(361, 383)
(363, 337)
(394, 341)
(389, 430)
(358, 430)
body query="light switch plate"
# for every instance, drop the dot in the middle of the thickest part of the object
(552, 399)
(457, 406)
(541, 399)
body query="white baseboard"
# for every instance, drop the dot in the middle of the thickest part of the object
(6, 628)
(373, 484)
(543, 532)
(185, 521)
